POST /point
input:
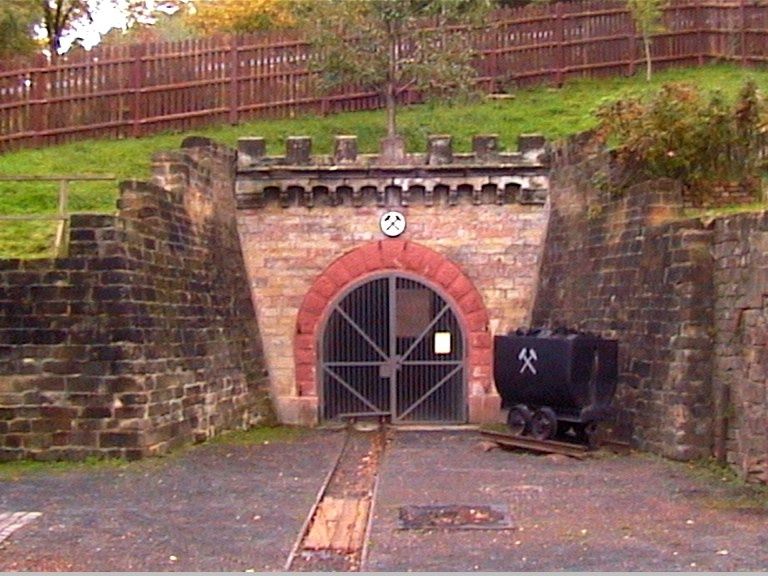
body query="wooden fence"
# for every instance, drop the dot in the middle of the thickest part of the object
(129, 91)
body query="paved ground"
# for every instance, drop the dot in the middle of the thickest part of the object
(213, 508)
(234, 508)
(611, 513)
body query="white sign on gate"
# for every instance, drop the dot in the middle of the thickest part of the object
(442, 342)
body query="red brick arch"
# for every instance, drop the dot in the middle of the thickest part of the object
(394, 255)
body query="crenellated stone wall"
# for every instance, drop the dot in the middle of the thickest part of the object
(310, 227)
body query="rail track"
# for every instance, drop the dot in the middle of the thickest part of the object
(580, 451)
(333, 537)
(335, 533)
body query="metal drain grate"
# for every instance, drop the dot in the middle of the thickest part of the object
(455, 517)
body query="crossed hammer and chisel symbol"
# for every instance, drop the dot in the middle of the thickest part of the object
(528, 356)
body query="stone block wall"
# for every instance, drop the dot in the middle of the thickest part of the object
(629, 267)
(143, 337)
(741, 360)
(303, 219)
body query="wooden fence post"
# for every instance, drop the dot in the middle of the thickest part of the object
(234, 76)
(137, 82)
(38, 95)
(743, 31)
(62, 229)
(632, 40)
(559, 49)
(702, 41)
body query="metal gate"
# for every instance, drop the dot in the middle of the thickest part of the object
(392, 346)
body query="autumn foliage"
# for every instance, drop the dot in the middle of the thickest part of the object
(238, 16)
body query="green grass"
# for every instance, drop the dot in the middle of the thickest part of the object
(261, 435)
(553, 112)
(16, 470)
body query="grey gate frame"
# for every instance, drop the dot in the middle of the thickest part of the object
(380, 356)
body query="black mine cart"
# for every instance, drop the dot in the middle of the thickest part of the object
(554, 381)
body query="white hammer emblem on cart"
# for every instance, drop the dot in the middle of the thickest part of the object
(528, 356)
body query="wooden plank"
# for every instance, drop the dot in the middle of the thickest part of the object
(361, 523)
(339, 525)
(119, 90)
(12, 521)
(324, 525)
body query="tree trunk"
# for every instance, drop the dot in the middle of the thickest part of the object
(647, 43)
(391, 96)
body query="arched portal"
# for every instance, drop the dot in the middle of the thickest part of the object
(430, 271)
(392, 345)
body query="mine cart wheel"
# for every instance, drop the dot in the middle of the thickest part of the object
(519, 419)
(590, 434)
(543, 424)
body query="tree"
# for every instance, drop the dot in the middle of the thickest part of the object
(143, 27)
(393, 45)
(58, 17)
(239, 16)
(17, 21)
(647, 16)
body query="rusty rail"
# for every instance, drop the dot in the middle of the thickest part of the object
(545, 446)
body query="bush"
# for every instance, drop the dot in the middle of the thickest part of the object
(681, 133)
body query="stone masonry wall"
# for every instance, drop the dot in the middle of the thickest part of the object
(741, 360)
(143, 337)
(287, 248)
(628, 267)
(299, 215)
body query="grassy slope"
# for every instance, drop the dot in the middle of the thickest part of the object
(552, 112)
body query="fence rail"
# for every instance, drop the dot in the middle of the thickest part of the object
(130, 91)
(62, 210)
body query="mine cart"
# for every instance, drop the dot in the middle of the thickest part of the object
(555, 381)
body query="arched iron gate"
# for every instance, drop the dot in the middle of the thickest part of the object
(393, 346)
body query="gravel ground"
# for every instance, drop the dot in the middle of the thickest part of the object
(213, 508)
(233, 508)
(609, 513)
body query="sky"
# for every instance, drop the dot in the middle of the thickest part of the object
(107, 14)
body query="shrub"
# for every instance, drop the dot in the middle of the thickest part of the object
(701, 140)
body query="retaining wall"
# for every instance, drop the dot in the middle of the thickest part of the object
(144, 336)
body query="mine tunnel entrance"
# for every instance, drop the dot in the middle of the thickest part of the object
(393, 346)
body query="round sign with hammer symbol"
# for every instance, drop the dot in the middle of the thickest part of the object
(392, 223)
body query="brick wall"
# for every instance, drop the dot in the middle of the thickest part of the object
(143, 337)
(741, 360)
(628, 267)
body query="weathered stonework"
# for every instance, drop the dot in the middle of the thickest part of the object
(741, 361)
(304, 229)
(143, 337)
(686, 300)
(629, 267)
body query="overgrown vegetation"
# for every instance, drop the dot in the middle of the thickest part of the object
(702, 139)
(553, 112)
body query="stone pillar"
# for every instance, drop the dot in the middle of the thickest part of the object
(345, 149)
(298, 150)
(530, 143)
(439, 150)
(392, 151)
(250, 151)
(486, 147)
